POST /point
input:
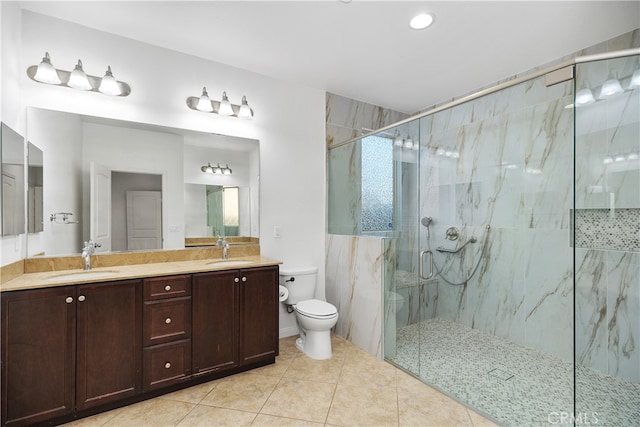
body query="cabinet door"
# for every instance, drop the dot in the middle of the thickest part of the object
(109, 331)
(258, 314)
(215, 321)
(38, 354)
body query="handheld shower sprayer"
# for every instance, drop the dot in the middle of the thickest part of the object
(426, 221)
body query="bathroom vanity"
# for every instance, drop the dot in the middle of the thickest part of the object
(75, 344)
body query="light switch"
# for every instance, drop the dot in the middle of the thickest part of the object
(276, 231)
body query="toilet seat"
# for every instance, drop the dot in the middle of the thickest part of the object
(316, 309)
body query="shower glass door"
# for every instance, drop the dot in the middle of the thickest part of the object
(607, 242)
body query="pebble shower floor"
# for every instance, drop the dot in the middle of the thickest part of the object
(514, 385)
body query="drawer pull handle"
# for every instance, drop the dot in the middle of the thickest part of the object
(236, 280)
(81, 298)
(244, 279)
(167, 288)
(167, 320)
(69, 300)
(167, 365)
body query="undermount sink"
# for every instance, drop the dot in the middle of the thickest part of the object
(230, 262)
(82, 275)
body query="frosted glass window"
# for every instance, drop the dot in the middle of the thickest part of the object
(377, 184)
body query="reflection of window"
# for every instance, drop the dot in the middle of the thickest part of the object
(230, 203)
(377, 184)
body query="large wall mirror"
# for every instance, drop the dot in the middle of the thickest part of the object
(13, 194)
(133, 186)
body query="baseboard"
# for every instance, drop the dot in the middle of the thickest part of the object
(289, 331)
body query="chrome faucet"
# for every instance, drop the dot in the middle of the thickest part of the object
(222, 241)
(88, 250)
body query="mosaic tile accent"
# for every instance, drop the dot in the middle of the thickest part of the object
(512, 384)
(608, 229)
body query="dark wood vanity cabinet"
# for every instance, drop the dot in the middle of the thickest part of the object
(69, 348)
(38, 355)
(74, 350)
(166, 331)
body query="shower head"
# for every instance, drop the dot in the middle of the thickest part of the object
(426, 221)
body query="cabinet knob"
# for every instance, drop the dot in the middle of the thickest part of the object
(167, 320)
(167, 365)
(236, 280)
(81, 298)
(167, 288)
(244, 279)
(69, 300)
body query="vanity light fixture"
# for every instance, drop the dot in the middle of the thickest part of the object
(216, 169)
(223, 108)
(46, 73)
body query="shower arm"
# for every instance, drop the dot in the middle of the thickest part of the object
(455, 251)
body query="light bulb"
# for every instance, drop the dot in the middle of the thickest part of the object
(227, 170)
(245, 111)
(635, 79)
(584, 97)
(207, 169)
(408, 143)
(204, 103)
(46, 72)
(109, 85)
(225, 106)
(78, 78)
(397, 141)
(611, 87)
(217, 170)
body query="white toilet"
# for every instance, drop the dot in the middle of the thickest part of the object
(315, 317)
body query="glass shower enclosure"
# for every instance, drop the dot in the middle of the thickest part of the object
(513, 279)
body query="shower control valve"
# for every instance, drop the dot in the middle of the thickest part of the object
(452, 233)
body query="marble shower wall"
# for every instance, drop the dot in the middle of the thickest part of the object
(355, 268)
(503, 161)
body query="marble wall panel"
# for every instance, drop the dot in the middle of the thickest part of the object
(354, 284)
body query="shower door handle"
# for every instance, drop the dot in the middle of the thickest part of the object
(422, 254)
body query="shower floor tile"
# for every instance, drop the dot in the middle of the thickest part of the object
(514, 385)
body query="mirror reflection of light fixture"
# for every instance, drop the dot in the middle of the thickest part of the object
(635, 79)
(584, 97)
(611, 87)
(223, 108)
(46, 73)
(216, 169)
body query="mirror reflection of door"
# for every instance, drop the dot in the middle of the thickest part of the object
(144, 220)
(223, 210)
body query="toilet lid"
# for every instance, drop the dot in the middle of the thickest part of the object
(317, 308)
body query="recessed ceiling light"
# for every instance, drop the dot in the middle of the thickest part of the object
(421, 21)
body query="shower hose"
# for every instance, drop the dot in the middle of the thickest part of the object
(475, 269)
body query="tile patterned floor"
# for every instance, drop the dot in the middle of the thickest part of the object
(350, 389)
(515, 385)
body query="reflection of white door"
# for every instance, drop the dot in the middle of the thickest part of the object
(8, 203)
(100, 207)
(144, 220)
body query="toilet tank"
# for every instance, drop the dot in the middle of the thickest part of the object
(299, 281)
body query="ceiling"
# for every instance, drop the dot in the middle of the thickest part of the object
(365, 50)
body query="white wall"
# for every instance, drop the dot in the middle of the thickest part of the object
(289, 119)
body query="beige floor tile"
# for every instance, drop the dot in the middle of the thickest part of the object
(305, 400)
(358, 406)
(480, 421)
(264, 420)
(340, 347)
(245, 392)
(192, 394)
(288, 345)
(307, 369)
(407, 383)
(152, 413)
(367, 372)
(276, 369)
(95, 420)
(431, 408)
(211, 416)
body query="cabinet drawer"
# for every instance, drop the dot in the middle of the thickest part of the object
(166, 320)
(166, 364)
(167, 287)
